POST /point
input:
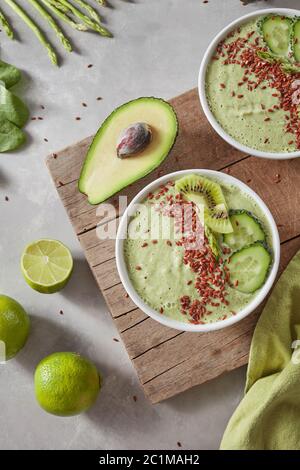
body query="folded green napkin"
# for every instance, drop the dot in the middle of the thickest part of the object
(269, 414)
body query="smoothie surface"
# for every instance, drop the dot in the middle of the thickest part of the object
(251, 98)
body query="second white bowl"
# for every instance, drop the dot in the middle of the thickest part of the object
(202, 79)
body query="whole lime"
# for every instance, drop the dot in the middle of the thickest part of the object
(14, 326)
(66, 383)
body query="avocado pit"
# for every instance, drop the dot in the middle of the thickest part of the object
(134, 139)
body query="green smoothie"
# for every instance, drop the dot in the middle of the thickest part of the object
(251, 93)
(157, 264)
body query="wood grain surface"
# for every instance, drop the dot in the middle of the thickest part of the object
(168, 361)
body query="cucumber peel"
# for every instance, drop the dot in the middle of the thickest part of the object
(249, 267)
(276, 31)
(295, 39)
(247, 229)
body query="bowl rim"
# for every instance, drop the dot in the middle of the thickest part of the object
(202, 79)
(175, 324)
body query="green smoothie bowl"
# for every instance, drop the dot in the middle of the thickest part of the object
(197, 250)
(249, 83)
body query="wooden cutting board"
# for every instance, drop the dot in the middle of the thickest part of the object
(168, 361)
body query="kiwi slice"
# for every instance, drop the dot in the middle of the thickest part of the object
(208, 194)
(212, 241)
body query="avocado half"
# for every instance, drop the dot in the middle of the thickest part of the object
(103, 172)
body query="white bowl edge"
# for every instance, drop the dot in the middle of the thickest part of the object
(202, 92)
(122, 270)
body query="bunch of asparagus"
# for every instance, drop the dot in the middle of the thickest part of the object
(69, 12)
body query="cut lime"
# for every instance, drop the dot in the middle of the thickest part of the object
(46, 265)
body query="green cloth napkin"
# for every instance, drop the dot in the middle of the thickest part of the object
(268, 417)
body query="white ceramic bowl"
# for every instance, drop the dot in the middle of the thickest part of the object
(122, 270)
(202, 76)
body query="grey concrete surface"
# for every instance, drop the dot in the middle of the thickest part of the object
(157, 50)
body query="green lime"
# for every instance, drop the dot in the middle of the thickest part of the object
(14, 326)
(47, 265)
(66, 383)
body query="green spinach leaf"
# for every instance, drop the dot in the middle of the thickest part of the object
(9, 74)
(12, 108)
(11, 137)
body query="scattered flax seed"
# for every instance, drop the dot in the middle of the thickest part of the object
(266, 141)
(42, 106)
(116, 340)
(99, 98)
(126, 295)
(46, 140)
(189, 283)
(240, 96)
(290, 142)
(144, 245)
(277, 178)
(179, 444)
(33, 118)
(78, 118)
(61, 312)
(267, 119)
(222, 85)
(55, 156)
(154, 242)
(138, 268)
(233, 94)
(90, 66)
(169, 243)
(134, 398)
(161, 310)
(84, 105)
(236, 283)
(40, 118)
(263, 106)
(6, 198)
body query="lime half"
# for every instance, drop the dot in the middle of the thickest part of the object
(46, 265)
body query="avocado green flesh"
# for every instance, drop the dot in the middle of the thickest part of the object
(103, 173)
(163, 277)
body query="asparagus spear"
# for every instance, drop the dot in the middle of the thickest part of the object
(44, 13)
(6, 26)
(53, 6)
(59, 6)
(86, 19)
(85, 6)
(30, 23)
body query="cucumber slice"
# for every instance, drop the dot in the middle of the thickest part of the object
(296, 40)
(249, 267)
(276, 31)
(246, 230)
